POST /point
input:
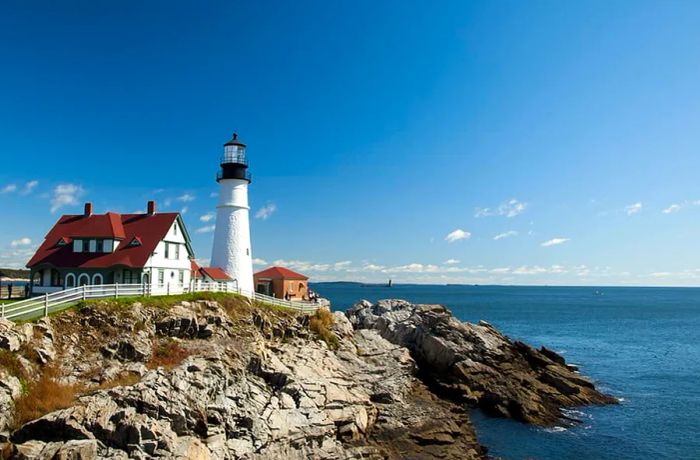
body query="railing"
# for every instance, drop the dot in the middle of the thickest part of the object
(246, 175)
(46, 304)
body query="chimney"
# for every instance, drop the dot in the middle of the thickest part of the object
(88, 209)
(151, 208)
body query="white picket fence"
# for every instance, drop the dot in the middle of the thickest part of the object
(46, 304)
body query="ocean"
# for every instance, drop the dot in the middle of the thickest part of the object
(641, 345)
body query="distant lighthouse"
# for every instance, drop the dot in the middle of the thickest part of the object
(231, 251)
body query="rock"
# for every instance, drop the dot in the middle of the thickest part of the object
(77, 450)
(477, 364)
(180, 322)
(10, 389)
(341, 325)
(10, 338)
(130, 348)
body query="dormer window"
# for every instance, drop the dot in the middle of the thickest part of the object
(61, 242)
(77, 245)
(135, 241)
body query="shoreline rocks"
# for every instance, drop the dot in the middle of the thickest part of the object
(477, 365)
(254, 383)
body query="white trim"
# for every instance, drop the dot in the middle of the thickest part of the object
(94, 279)
(81, 277)
(65, 282)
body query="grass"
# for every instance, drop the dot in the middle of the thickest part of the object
(44, 395)
(320, 323)
(168, 354)
(163, 302)
(10, 362)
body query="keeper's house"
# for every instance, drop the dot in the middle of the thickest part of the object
(150, 248)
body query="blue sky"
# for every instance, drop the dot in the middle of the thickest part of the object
(476, 142)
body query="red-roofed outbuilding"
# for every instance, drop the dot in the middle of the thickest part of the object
(282, 283)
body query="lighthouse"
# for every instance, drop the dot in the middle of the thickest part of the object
(231, 251)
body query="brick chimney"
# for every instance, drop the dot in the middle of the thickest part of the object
(88, 209)
(151, 208)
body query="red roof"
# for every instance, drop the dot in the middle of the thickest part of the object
(148, 229)
(215, 273)
(196, 269)
(280, 273)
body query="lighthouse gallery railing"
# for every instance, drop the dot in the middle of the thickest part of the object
(46, 304)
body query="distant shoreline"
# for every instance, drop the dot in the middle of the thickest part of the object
(555, 286)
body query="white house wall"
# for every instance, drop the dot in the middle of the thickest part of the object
(171, 266)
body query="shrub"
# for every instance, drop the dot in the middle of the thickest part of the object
(321, 323)
(168, 354)
(42, 396)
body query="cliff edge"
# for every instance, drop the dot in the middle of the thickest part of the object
(219, 377)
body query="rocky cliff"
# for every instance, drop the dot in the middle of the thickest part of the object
(220, 378)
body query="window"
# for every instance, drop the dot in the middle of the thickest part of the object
(61, 242)
(135, 241)
(181, 279)
(167, 250)
(93, 245)
(177, 251)
(161, 278)
(108, 246)
(126, 277)
(83, 279)
(100, 245)
(56, 278)
(97, 279)
(37, 277)
(175, 229)
(77, 245)
(70, 280)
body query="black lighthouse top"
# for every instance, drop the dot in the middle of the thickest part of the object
(234, 164)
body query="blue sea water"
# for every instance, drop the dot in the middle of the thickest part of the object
(641, 345)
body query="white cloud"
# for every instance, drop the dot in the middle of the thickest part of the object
(186, 198)
(672, 208)
(184, 210)
(257, 261)
(21, 242)
(266, 211)
(207, 217)
(451, 262)
(9, 188)
(633, 208)
(65, 195)
(457, 235)
(510, 208)
(555, 242)
(372, 267)
(205, 229)
(507, 234)
(213, 194)
(29, 187)
(675, 207)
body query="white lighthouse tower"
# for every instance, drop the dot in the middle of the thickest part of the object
(231, 251)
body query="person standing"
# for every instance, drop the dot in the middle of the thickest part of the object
(9, 290)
